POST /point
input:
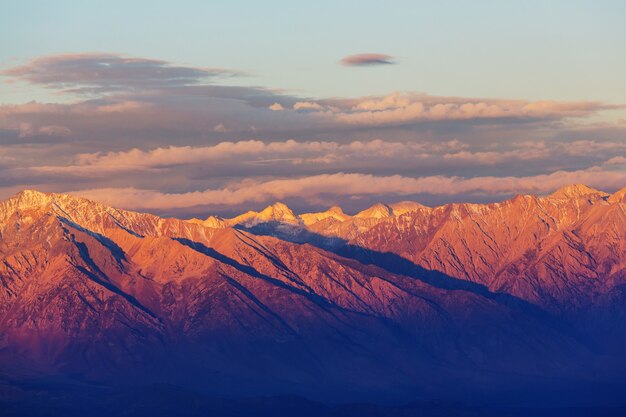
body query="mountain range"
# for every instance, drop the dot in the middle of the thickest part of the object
(519, 299)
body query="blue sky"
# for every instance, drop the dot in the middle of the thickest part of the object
(192, 108)
(562, 50)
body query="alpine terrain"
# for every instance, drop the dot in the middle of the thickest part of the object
(511, 302)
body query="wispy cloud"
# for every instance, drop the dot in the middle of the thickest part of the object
(367, 60)
(108, 72)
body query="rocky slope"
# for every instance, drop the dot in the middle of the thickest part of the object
(562, 252)
(412, 300)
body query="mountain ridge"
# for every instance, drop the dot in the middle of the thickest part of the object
(405, 299)
(278, 211)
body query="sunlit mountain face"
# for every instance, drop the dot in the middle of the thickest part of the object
(463, 307)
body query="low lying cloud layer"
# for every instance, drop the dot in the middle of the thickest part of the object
(314, 189)
(152, 135)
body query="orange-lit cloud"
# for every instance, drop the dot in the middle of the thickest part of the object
(405, 108)
(312, 188)
(346, 155)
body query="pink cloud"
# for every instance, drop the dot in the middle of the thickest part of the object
(294, 152)
(307, 105)
(311, 188)
(364, 60)
(405, 108)
(54, 131)
(27, 130)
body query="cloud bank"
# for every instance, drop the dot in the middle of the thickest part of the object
(314, 188)
(151, 134)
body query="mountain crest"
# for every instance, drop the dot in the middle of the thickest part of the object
(377, 211)
(575, 191)
(618, 197)
(334, 212)
(405, 206)
(32, 198)
(278, 212)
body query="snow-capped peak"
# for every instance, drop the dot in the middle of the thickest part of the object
(214, 222)
(277, 212)
(377, 211)
(334, 212)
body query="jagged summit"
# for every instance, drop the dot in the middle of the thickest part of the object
(89, 214)
(278, 212)
(402, 207)
(30, 193)
(575, 191)
(33, 198)
(377, 211)
(77, 207)
(215, 222)
(618, 197)
(335, 212)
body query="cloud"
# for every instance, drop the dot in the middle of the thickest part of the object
(276, 107)
(617, 160)
(277, 152)
(54, 131)
(353, 185)
(373, 153)
(220, 128)
(141, 99)
(107, 73)
(137, 160)
(27, 130)
(367, 60)
(398, 108)
(125, 106)
(155, 125)
(390, 101)
(307, 105)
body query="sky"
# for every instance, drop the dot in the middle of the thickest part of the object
(193, 108)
